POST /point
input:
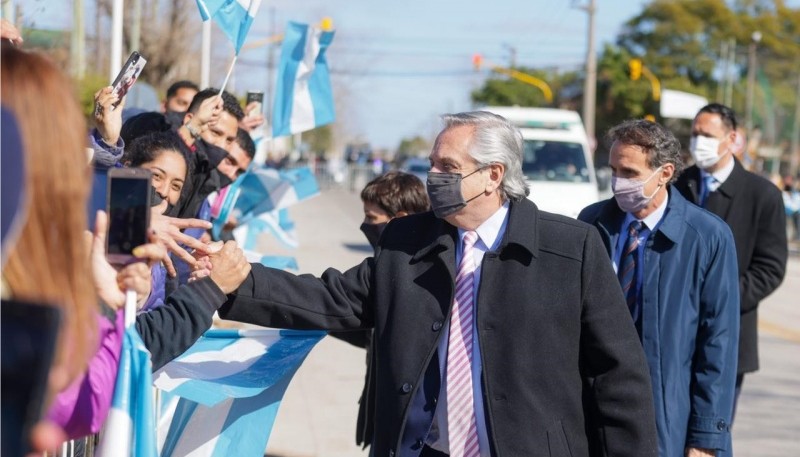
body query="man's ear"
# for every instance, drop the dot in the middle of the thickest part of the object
(667, 172)
(496, 173)
(401, 214)
(187, 117)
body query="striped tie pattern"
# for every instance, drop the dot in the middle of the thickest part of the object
(461, 426)
(627, 266)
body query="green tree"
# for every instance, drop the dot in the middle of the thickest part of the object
(319, 140)
(501, 90)
(681, 42)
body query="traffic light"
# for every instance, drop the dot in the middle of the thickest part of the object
(635, 67)
(477, 60)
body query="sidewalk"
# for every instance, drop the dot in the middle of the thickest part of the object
(318, 414)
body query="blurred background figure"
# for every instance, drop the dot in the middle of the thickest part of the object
(791, 201)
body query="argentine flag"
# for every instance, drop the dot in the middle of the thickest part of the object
(303, 96)
(220, 397)
(277, 223)
(234, 17)
(264, 189)
(129, 429)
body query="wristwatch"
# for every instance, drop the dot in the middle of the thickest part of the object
(195, 134)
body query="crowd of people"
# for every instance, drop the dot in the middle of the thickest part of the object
(491, 327)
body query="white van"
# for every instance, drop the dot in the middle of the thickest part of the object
(556, 158)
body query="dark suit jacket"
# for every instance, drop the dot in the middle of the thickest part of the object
(753, 209)
(563, 371)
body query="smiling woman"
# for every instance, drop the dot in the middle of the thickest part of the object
(162, 154)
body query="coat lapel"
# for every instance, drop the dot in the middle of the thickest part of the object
(720, 201)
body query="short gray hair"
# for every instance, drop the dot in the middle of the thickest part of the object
(658, 143)
(496, 140)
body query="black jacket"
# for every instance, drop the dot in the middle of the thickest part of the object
(753, 209)
(563, 371)
(169, 330)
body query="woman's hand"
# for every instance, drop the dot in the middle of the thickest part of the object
(111, 281)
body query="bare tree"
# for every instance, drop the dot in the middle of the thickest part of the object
(170, 37)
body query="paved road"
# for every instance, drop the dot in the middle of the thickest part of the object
(318, 415)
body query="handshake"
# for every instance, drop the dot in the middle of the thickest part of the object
(225, 264)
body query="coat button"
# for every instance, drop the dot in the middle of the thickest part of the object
(406, 388)
(420, 443)
(437, 326)
(391, 452)
(721, 425)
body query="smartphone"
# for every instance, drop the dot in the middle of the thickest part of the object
(128, 203)
(29, 332)
(255, 96)
(128, 75)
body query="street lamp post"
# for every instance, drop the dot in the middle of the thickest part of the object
(751, 80)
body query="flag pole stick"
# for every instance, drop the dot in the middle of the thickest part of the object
(228, 76)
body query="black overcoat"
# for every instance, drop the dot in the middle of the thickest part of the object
(564, 373)
(753, 209)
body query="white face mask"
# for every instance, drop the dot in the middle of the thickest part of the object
(705, 151)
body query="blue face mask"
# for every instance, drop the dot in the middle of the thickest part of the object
(444, 192)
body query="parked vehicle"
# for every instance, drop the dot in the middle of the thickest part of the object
(556, 158)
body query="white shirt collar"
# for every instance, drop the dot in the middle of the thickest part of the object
(489, 232)
(720, 175)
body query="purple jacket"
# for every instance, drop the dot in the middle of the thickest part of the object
(81, 409)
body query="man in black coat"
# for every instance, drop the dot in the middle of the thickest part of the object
(556, 368)
(753, 209)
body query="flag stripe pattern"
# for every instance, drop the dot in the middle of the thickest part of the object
(222, 395)
(303, 96)
(234, 17)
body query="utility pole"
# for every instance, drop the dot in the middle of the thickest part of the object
(512, 61)
(136, 31)
(751, 81)
(78, 45)
(728, 76)
(205, 55)
(115, 63)
(270, 68)
(590, 84)
(723, 55)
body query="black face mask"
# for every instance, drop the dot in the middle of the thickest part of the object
(175, 118)
(373, 232)
(156, 199)
(444, 191)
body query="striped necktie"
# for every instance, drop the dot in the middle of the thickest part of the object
(628, 270)
(462, 429)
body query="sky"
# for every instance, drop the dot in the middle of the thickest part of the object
(396, 66)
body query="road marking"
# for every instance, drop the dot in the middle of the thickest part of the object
(780, 331)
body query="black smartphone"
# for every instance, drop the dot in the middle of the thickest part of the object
(128, 75)
(129, 200)
(28, 336)
(255, 96)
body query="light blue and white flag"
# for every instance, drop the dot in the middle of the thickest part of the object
(129, 429)
(220, 397)
(276, 223)
(234, 17)
(263, 189)
(303, 96)
(280, 262)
